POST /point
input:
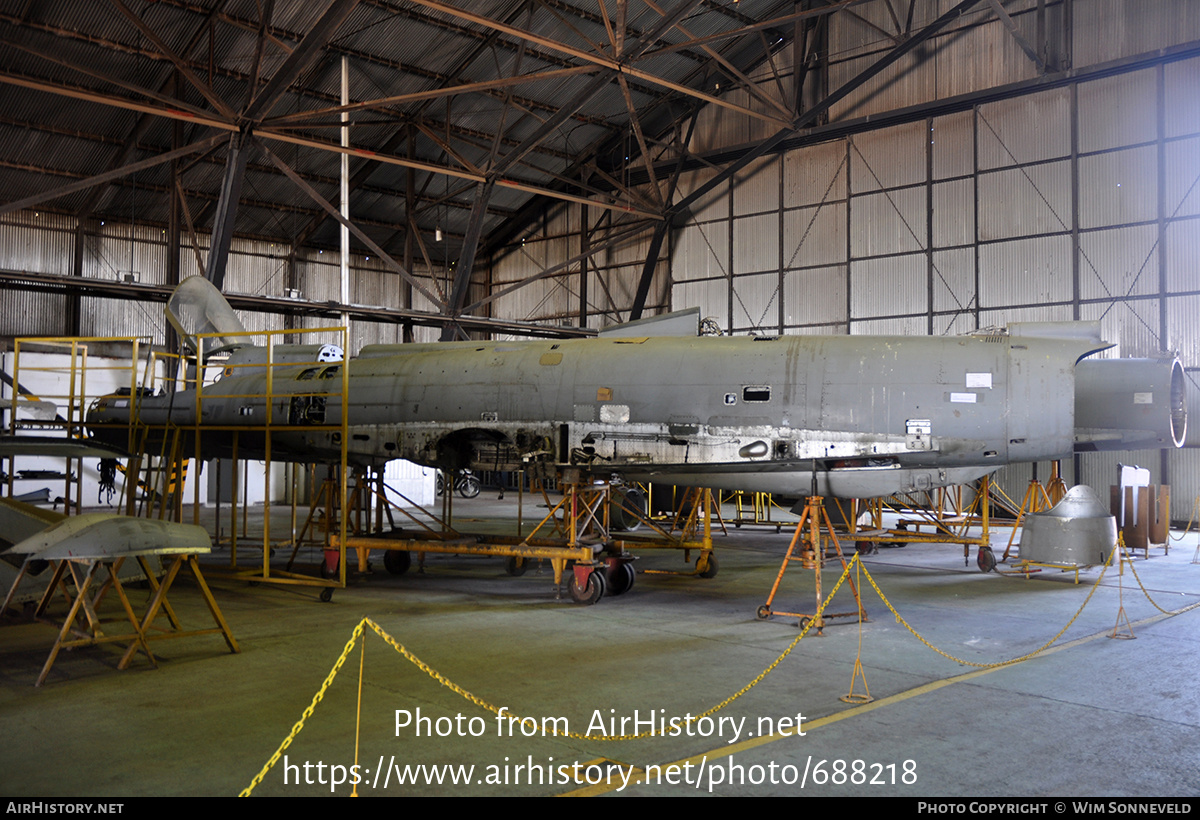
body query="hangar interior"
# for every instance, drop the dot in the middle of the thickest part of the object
(420, 171)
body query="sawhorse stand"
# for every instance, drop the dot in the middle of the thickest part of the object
(90, 629)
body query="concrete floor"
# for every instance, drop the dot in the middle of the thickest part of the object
(1091, 716)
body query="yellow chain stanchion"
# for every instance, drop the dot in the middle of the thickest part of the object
(528, 721)
(851, 696)
(362, 662)
(1121, 615)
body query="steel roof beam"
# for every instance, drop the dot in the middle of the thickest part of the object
(603, 59)
(300, 58)
(102, 288)
(354, 229)
(775, 22)
(227, 207)
(180, 63)
(115, 173)
(434, 93)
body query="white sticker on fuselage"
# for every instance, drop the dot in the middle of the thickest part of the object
(981, 380)
(963, 398)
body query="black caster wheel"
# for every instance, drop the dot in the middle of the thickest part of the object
(591, 593)
(397, 562)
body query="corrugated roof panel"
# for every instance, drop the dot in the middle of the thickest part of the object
(1107, 30)
(714, 204)
(43, 243)
(1182, 86)
(1182, 178)
(1003, 317)
(905, 82)
(953, 281)
(1183, 249)
(1118, 262)
(953, 140)
(700, 252)
(710, 295)
(1185, 463)
(549, 298)
(756, 244)
(756, 188)
(27, 313)
(900, 326)
(1118, 187)
(756, 302)
(955, 324)
(954, 213)
(983, 56)
(888, 158)
(1131, 323)
(121, 317)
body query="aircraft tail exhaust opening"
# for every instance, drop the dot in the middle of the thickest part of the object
(1128, 404)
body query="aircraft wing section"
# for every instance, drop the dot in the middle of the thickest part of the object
(57, 446)
(677, 323)
(19, 521)
(105, 536)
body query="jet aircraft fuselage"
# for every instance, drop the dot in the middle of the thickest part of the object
(873, 415)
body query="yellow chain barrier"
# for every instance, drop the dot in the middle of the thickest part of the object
(1155, 603)
(528, 721)
(997, 664)
(480, 702)
(1191, 520)
(258, 778)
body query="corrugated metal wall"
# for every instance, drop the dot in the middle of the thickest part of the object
(45, 243)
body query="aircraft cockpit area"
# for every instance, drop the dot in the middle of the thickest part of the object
(604, 398)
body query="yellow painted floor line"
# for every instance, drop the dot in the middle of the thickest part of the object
(899, 697)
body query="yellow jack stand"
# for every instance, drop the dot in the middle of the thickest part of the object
(812, 557)
(1056, 488)
(1036, 500)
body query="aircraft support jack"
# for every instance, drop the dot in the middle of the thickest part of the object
(812, 557)
(1036, 500)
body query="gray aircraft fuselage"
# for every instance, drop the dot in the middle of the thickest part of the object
(874, 414)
